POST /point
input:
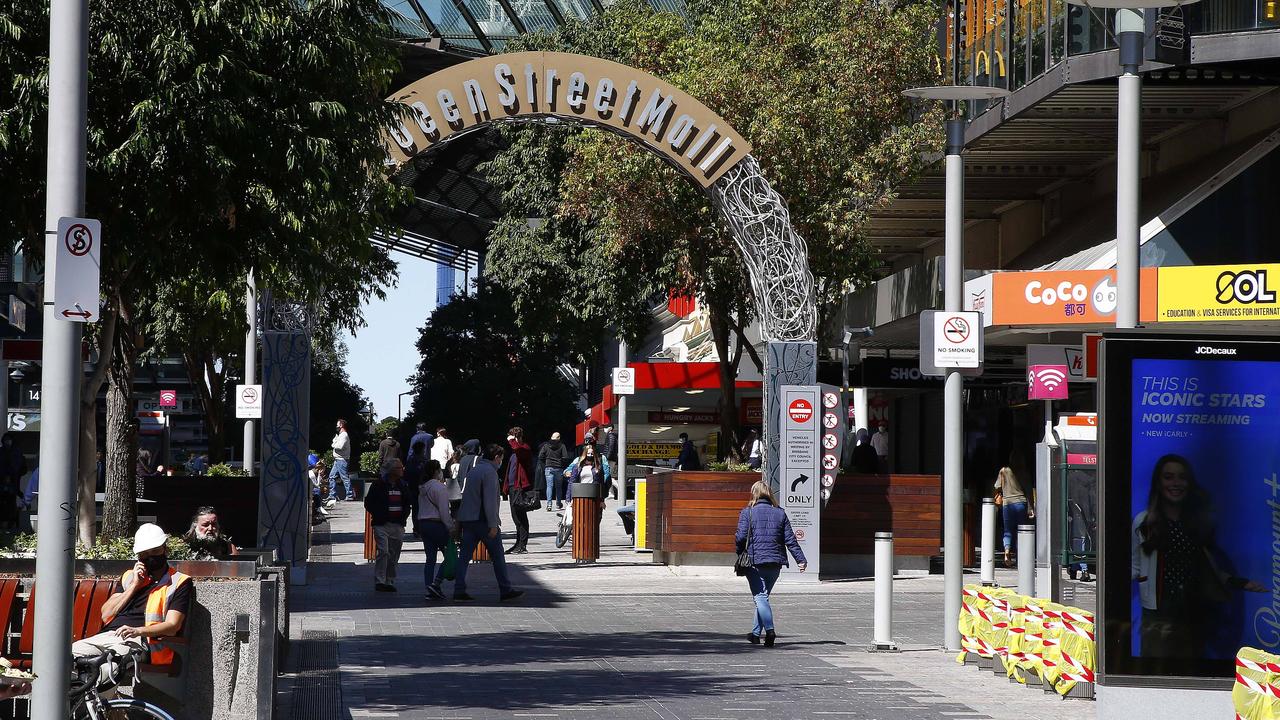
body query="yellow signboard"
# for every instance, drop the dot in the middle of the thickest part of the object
(652, 450)
(1229, 293)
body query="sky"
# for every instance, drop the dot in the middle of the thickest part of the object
(383, 354)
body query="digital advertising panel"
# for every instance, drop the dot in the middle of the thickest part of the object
(1190, 556)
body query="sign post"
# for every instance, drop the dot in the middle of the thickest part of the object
(248, 402)
(63, 370)
(800, 474)
(76, 276)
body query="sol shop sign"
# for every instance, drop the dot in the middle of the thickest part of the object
(1219, 292)
(1057, 297)
(576, 87)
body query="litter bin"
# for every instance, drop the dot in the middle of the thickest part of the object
(587, 508)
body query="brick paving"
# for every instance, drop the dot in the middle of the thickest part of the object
(623, 638)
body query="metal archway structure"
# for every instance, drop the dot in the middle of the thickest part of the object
(591, 92)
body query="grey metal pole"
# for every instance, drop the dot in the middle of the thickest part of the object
(1129, 32)
(1027, 560)
(953, 398)
(62, 368)
(988, 570)
(882, 639)
(250, 367)
(622, 432)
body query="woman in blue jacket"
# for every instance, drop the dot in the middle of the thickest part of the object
(770, 538)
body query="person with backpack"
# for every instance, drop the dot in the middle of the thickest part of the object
(553, 457)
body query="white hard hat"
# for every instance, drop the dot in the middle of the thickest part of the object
(148, 537)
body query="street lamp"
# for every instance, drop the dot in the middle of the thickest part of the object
(953, 390)
(1130, 37)
(399, 410)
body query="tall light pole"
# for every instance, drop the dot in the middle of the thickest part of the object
(250, 367)
(953, 389)
(60, 401)
(399, 408)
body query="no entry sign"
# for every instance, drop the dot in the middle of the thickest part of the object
(800, 410)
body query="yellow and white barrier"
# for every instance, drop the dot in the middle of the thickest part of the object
(1030, 636)
(1256, 694)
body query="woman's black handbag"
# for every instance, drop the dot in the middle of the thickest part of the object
(743, 563)
(526, 499)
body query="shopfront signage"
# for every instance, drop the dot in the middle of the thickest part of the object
(893, 372)
(1229, 293)
(23, 420)
(1069, 356)
(751, 411)
(653, 450)
(577, 87)
(800, 469)
(662, 417)
(1055, 297)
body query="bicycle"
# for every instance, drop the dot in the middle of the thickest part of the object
(564, 533)
(87, 702)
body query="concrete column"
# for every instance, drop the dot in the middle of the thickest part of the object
(62, 370)
(1129, 32)
(953, 398)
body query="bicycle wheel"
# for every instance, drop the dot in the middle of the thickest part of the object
(123, 708)
(563, 534)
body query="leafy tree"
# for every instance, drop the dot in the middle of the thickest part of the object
(333, 395)
(220, 139)
(815, 85)
(479, 377)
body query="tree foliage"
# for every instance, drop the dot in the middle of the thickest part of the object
(814, 85)
(220, 139)
(479, 378)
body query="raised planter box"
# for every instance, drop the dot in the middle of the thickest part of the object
(692, 516)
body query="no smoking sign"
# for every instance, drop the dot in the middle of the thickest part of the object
(950, 340)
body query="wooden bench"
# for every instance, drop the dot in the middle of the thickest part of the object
(86, 619)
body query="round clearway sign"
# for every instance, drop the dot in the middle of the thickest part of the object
(800, 410)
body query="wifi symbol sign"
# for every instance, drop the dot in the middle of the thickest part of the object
(1047, 382)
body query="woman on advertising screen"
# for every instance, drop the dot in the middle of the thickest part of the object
(1179, 580)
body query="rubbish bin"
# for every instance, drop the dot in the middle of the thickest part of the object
(587, 509)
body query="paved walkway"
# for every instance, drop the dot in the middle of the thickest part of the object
(619, 639)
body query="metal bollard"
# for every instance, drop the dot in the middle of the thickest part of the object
(988, 567)
(1027, 560)
(882, 640)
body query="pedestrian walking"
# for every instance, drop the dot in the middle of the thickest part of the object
(764, 533)
(468, 456)
(341, 445)
(388, 448)
(753, 450)
(415, 466)
(610, 453)
(1012, 501)
(478, 518)
(553, 456)
(880, 442)
(389, 504)
(435, 526)
(442, 448)
(518, 479)
(865, 459)
(421, 436)
(688, 459)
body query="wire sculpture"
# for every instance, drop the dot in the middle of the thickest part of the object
(777, 257)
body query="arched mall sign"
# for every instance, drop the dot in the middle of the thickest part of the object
(643, 108)
(685, 133)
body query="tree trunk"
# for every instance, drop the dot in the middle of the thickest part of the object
(86, 515)
(119, 513)
(729, 440)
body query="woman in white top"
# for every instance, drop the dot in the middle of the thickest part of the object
(442, 448)
(753, 450)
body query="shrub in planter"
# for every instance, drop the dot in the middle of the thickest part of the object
(369, 463)
(225, 470)
(24, 545)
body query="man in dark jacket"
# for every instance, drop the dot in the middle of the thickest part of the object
(389, 503)
(553, 457)
(611, 449)
(688, 459)
(388, 448)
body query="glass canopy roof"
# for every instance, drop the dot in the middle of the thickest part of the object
(477, 27)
